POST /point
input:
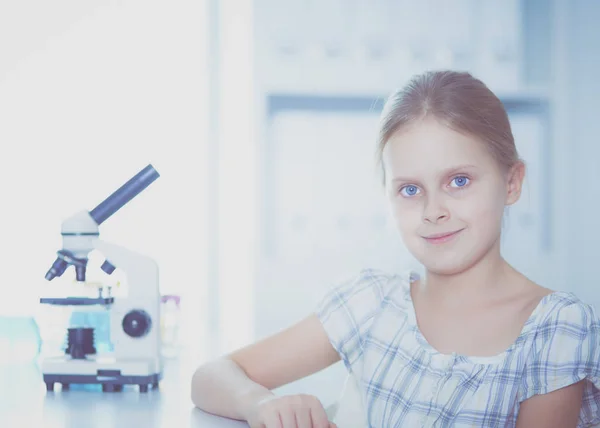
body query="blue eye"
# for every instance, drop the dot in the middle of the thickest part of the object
(460, 181)
(409, 190)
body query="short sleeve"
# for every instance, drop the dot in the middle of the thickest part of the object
(566, 350)
(348, 309)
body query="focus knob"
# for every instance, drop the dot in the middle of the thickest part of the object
(137, 323)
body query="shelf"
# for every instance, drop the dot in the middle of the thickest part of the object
(294, 101)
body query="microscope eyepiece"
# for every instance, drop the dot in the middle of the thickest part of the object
(124, 194)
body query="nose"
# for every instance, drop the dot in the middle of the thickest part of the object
(435, 211)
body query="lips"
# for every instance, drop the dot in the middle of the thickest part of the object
(440, 238)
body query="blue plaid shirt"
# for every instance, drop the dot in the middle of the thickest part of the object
(405, 382)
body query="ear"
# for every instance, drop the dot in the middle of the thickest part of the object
(516, 176)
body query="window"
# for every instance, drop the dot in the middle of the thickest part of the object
(88, 97)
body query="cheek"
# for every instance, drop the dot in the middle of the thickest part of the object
(406, 214)
(483, 210)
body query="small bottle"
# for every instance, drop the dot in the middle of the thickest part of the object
(169, 320)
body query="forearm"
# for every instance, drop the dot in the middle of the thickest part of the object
(221, 387)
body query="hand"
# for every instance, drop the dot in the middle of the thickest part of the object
(292, 411)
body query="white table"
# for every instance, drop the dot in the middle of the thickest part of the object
(25, 403)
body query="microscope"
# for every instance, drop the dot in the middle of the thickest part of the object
(135, 357)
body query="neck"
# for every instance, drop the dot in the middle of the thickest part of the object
(483, 280)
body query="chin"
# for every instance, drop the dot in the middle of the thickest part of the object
(452, 264)
(448, 265)
(446, 269)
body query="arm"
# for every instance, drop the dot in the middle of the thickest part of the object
(233, 386)
(557, 409)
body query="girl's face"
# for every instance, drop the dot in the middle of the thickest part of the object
(447, 195)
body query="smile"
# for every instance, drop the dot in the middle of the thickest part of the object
(440, 238)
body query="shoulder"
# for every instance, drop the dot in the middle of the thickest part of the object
(348, 309)
(565, 345)
(567, 331)
(367, 289)
(564, 314)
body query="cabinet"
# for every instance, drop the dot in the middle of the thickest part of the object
(372, 46)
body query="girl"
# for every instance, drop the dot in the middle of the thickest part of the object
(473, 343)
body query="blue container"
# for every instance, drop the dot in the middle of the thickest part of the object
(20, 340)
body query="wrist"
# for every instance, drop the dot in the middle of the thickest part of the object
(249, 401)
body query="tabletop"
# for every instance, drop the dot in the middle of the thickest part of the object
(24, 402)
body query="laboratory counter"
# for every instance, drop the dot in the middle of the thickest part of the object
(24, 403)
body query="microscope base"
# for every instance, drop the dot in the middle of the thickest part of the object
(114, 384)
(111, 374)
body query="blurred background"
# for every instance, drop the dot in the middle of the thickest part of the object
(261, 118)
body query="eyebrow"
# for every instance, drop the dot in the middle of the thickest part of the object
(449, 171)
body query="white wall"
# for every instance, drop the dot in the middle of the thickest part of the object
(90, 92)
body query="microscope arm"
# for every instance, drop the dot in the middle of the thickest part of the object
(139, 269)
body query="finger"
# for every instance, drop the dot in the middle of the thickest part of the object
(332, 425)
(319, 417)
(303, 418)
(272, 420)
(288, 419)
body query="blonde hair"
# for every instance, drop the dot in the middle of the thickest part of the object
(459, 101)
